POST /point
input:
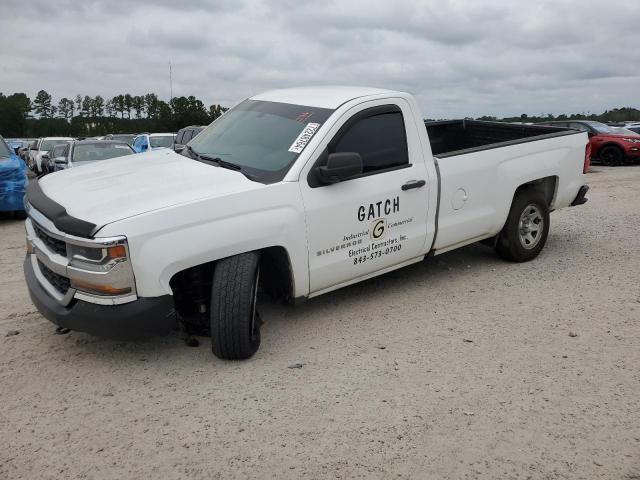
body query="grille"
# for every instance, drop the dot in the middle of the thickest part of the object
(59, 282)
(58, 246)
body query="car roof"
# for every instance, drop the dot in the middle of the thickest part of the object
(100, 142)
(325, 96)
(161, 134)
(57, 138)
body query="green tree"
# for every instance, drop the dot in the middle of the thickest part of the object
(137, 102)
(151, 105)
(128, 105)
(78, 101)
(97, 106)
(42, 104)
(14, 111)
(65, 108)
(87, 104)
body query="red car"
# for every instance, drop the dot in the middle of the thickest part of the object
(607, 145)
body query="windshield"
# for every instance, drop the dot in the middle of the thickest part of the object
(124, 138)
(264, 138)
(49, 144)
(164, 141)
(4, 149)
(600, 127)
(100, 151)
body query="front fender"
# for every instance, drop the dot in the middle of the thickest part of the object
(165, 242)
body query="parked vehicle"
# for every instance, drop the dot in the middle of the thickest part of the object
(83, 152)
(633, 126)
(41, 148)
(121, 137)
(607, 145)
(13, 181)
(185, 135)
(16, 144)
(152, 141)
(298, 192)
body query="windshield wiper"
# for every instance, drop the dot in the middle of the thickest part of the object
(219, 162)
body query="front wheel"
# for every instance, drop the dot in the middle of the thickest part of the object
(235, 324)
(525, 232)
(612, 156)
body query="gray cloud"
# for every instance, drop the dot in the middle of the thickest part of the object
(460, 58)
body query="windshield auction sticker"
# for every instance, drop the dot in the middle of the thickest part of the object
(307, 132)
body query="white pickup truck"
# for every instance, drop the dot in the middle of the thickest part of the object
(295, 192)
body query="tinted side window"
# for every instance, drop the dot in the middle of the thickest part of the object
(380, 140)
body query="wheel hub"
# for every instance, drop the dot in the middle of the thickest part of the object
(530, 226)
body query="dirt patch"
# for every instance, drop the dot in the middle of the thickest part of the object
(462, 367)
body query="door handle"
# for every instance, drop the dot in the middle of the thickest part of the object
(413, 184)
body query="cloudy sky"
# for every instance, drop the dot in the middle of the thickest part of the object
(459, 57)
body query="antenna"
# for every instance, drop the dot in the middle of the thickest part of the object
(170, 82)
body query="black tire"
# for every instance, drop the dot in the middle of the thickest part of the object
(611, 155)
(517, 242)
(235, 324)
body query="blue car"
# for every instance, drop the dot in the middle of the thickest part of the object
(13, 181)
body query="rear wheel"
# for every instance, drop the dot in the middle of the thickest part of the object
(235, 324)
(612, 155)
(525, 232)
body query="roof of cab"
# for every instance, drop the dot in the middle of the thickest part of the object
(324, 96)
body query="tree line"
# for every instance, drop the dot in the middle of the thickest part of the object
(125, 113)
(20, 116)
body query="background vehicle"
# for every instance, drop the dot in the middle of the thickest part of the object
(83, 152)
(121, 137)
(16, 144)
(300, 192)
(185, 135)
(42, 147)
(633, 126)
(607, 145)
(13, 181)
(152, 141)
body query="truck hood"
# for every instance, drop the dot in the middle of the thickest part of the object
(123, 187)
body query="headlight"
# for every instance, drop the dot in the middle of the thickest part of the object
(97, 257)
(100, 270)
(632, 140)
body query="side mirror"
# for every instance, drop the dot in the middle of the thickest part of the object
(178, 148)
(60, 160)
(591, 134)
(45, 156)
(143, 147)
(339, 167)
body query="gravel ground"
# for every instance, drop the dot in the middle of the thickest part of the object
(461, 367)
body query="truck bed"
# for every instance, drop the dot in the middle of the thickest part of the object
(456, 137)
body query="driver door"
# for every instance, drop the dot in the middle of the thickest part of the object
(377, 220)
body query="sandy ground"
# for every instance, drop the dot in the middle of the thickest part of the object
(461, 367)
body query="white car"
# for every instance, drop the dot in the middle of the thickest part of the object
(633, 126)
(298, 192)
(152, 141)
(42, 147)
